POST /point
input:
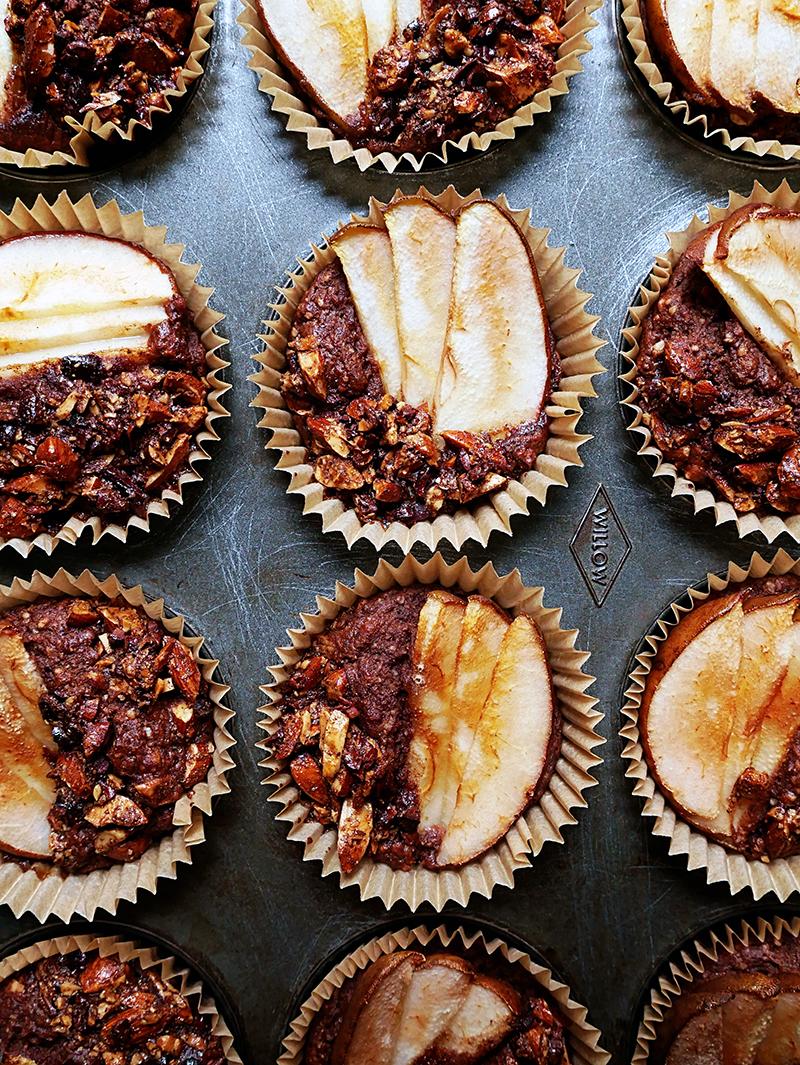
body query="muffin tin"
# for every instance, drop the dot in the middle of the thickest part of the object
(240, 561)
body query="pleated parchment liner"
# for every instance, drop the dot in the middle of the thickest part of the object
(691, 965)
(115, 946)
(583, 1039)
(781, 875)
(770, 525)
(63, 216)
(90, 125)
(737, 139)
(576, 344)
(43, 890)
(542, 822)
(277, 83)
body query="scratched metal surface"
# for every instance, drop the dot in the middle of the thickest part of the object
(240, 561)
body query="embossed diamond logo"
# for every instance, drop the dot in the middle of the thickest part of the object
(600, 546)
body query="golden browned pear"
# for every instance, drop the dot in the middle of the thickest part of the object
(323, 44)
(371, 1021)
(754, 262)
(71, 293)
(688, 709)
(26, 792)
(407, 11)
(732, 53)
(7, 58)
(512, 747)
(365, 253)
(482, 634)
(782, 1040)
(681, 31)
(435, 995)
(423, 240)
(379, 16)
(434, 667)
(484, 1020)
(496, 366)
(699, 1042)
(777, 65)
(782, 717)
(746, 1019)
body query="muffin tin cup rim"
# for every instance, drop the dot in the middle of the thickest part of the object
(83, 215)
(82, 894)
(768, 525)
(721, 864)
(492, 513)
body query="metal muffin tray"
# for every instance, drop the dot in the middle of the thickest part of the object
(240, 561)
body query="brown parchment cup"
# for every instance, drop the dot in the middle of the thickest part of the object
(86, 126)
(781, 875)
(115, 946)
(691, 965)
(46, 891)
(65, 216)
(540, 823)
(582, 1038)
(576, 344)
(277, 83)
(769, 525)
(737, 139)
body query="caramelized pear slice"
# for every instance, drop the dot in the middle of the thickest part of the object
(511, 750)
(681, 31)
(323, 43)
(496, 364)
(732, 53)
(781, 1043)
(380, 19)
(434, 667)
(423, 240)
(26, 792)
(435, 995)
(780, 721)
(777, 65)
(699, 1042)
(365, 253)
(753, 259)
(484, 1020)
(372, 1019)
(408, 11)
(746, 1019)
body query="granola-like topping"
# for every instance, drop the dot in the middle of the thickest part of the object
(86, 1008)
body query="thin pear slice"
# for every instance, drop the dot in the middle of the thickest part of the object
(746, 1019)
(681, 31)
(372, 1019)
(434, 666)
(423, 240)
(435, 995)
(777, 64)
(323, 44)
(365, 253)
(733, 52)
(482, 633)
(699, 1042)
(782, 1041)
(780, 722)
(512, 747)
(26, 792)
(407, 11)
(688, 708)
(380, 19)
(6, 56)
(496, 365)
(754, 262)
(484, 1020)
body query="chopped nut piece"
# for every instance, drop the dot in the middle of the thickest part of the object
(331, 742)
(119, 811)
(355, 829)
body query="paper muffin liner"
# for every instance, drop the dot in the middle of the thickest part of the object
(576, 344)
(691, 115)
(277, 83)
(536, 826)
(81, 142)
(769, 525)
(691, 965)
(170, 972)
(583, 1039)
(781, 875)
(65, 216)
(44, 890)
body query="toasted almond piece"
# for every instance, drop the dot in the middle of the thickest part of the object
(435, 995)
(512, 748)
(372, 1018)
(484, 1020)
(434, 665)
(423, 239)
(355, 829)
(365, 253)
(380, 19)
(323, 43)
(26, 792)
(496, 364)
(681, 30)
(777, 61)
